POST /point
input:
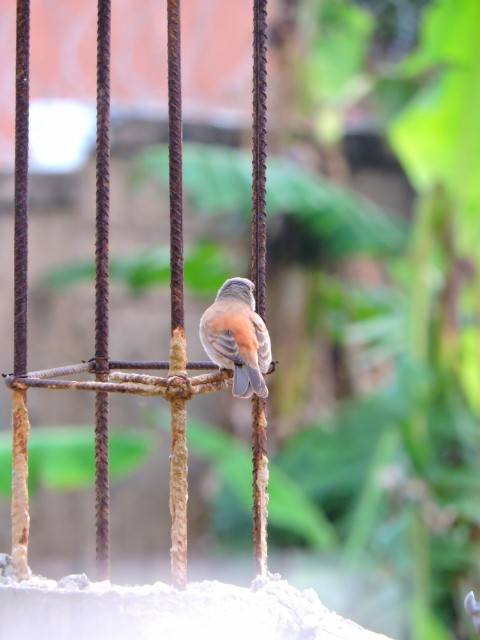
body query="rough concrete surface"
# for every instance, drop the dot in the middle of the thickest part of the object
(75, 608)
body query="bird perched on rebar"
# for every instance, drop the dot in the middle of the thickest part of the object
(235, 337)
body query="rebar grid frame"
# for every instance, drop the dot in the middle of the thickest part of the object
(177, 387)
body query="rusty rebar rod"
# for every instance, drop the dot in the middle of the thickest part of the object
(67, 370)
(102, 509)
(178, 357)
(259, 154)
(20, 506)
(177, 388)
(175, 150)
(74, 385)
(258, 274)
(163, 364)
(178, 464)
(170, 388)
(21, 187)
(194, 385)
(20, 424)
(88, 367)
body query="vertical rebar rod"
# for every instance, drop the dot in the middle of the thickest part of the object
(259, 217)
(258, 274)
(102, 492)
(178, 358)
(20, 503)
(175, 144)
(21, 187)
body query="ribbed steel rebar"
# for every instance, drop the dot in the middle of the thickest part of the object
(102, 288)
(175, 146)
(22, 93)
(258, 274)
(259, 168)
(178, 357)
(162, 364)
(20, 424)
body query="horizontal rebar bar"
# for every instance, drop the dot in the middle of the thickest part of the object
(126, 364)
(88, 367)
(75, 385)
(172, 381)
(172, 387)
(82, 367)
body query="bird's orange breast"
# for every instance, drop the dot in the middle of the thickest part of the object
(228, 317)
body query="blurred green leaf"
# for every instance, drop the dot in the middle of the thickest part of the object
(339, 41)
(343, 447)
(426, 624)
(437, 135)
(70, 274)
(207, 266)
(333, 75)
(368, 509)
(289, 508)
(469, 356)
(437, 139)
(391, 93)
(218, 181)
(62, 458)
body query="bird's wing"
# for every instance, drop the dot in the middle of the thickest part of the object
(264, 346)
(225, 345)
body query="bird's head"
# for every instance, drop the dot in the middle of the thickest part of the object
(238, 289)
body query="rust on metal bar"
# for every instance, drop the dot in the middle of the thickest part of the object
(141, 378)
(172, 385)
(67, 370)
(22, 94)
(258, 275)
(102, 491)
(178, 356)
(207, 378)
(213, 377)
(178, 465)
(118, 382)
(102, 289)
(88, 367)
(20, 505)
(179, 493)
(175, 149)
(20, 424)
(260, 485)
(259, 167)
(83, 385)
(164, 364)
(178, 388)
(208, 387)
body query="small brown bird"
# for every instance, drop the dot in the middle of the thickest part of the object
(235, 337)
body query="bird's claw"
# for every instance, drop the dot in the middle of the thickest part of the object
(272, 367)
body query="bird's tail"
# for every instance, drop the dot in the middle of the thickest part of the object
(247, 380)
